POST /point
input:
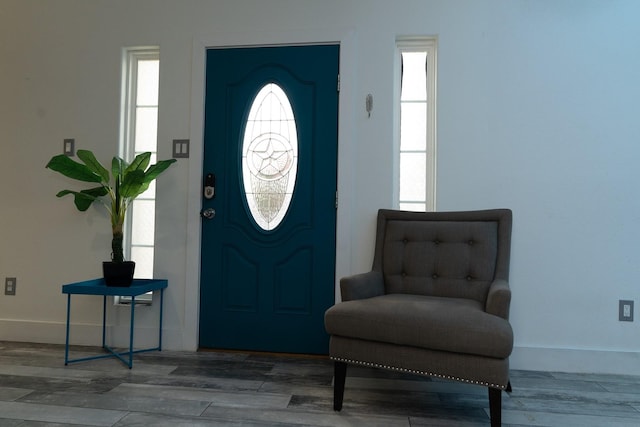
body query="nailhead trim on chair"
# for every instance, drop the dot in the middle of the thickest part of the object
(413, 371)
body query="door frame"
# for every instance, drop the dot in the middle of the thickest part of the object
(346, 39)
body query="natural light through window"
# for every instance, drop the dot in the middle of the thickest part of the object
(140, 132)
(416, 154)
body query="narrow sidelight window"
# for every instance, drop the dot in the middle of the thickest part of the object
(139, 133)
(416, 58)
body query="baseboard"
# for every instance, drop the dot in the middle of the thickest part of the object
(523, 358)
(575, 360)
(87, 334)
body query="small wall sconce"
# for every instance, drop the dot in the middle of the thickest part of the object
(369, 104)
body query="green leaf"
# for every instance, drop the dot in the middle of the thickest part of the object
(117, 166)
(96, 192)
(139, 163)
(144, 187)
(83, 199)
(133, 176)
(93, 164)
(132, 183)
(73, 169)
(155, 170)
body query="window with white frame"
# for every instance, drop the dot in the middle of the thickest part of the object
(416, 71)
(139, 131)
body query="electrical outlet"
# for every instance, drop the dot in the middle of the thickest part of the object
(625, 311)
(10, 285)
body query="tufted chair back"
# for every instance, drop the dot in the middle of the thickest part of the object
(445, 254)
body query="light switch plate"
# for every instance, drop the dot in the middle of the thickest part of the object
(180, 148)
(10, 285)
(69, 147)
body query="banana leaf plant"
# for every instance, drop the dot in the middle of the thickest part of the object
(115, 190)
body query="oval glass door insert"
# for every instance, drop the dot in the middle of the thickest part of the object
(269, 156)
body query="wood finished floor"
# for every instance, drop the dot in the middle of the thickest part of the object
(238, 389)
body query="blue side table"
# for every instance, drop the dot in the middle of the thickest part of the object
(98, 287)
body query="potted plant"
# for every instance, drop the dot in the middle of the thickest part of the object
(115, 191)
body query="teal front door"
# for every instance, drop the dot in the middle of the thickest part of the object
(269, 198)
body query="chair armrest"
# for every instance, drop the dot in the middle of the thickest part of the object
(361, 286)
(499, 299)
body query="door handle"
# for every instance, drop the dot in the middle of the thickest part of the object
(208, 213)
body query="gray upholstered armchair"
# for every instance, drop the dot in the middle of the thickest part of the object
(436, 302)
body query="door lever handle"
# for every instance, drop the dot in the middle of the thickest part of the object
(208, 213)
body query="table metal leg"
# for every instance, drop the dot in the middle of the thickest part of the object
(133, 310)
(104, 320)
(121, 355)
(66, 345)
(160, 330)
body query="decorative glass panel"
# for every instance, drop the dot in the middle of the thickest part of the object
(269, 156)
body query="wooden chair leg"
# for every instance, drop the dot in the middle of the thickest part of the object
(340, 375)
(495, 406)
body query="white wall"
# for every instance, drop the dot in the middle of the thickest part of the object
(537, 111)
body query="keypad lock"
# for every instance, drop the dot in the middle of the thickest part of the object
(209, 191)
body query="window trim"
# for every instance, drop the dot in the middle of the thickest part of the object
(418, 44)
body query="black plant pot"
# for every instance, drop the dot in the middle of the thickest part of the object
(118, 273)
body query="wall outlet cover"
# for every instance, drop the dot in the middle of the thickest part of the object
(625, 310)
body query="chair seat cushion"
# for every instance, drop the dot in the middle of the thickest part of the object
(456, 325)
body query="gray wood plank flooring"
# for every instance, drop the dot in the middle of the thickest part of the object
(251, 389)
